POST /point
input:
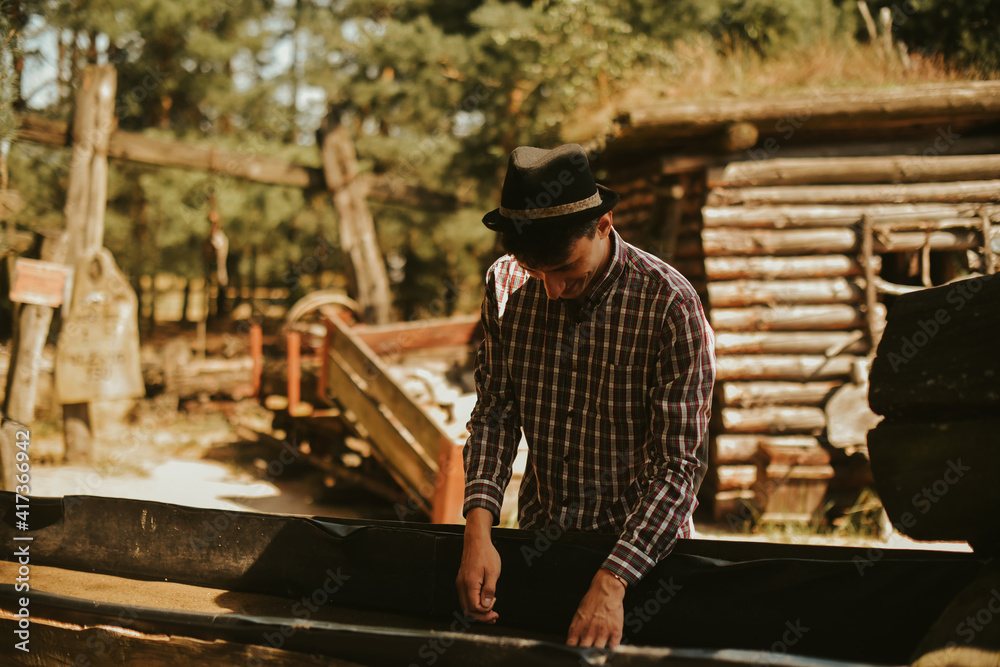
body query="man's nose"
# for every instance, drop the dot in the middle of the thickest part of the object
(554, 287)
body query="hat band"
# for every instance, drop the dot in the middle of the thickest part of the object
(552, 211)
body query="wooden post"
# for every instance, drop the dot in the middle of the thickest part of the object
(293, 344)
(257, 354)
(86, 199)
(22, 375)
(366, 273)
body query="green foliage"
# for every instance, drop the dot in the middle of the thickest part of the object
(8, 74)
(966, 32)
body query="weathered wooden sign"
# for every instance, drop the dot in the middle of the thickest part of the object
(38, 282)
(98, 353)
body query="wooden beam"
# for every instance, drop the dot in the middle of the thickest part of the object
(787, 216)
(789, 318)
(824, 109)
(796, 367)
(826, 171)
(781, 268)
(753, 394)
(254, 167)
(398, 337)
(737, 293)
(718, 241)
(774, 419)
(901, 193)
(367, 278)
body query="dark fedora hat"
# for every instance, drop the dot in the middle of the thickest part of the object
(546, 185)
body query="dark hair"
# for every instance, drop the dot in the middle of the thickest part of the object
(540, 243)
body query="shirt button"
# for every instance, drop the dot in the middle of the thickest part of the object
(569, 413)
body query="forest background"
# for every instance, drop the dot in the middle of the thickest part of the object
(433, 93)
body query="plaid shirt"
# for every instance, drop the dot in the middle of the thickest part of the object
(614, 397)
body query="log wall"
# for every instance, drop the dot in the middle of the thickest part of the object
(788, 256)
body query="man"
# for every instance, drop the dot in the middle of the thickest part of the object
(602, 354)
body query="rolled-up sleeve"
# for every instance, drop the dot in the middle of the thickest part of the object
(495, 425)
(681, 401)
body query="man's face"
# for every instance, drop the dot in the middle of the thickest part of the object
(573, 278)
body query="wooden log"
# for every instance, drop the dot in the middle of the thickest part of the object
(805, 342)
(824, 110)
(774, 419)
(753, 394)
(793, 451)
(738, 293)
(789, 449)
(788, 318)
(792, 216)
(781, 268)
(963, 191)
(231, 378)
(937, 479)
(938, 353)
(735, 476)
(800, 368)
(734, 449)
(366, 268)
(718, 241)
(826, 171)
(254, 167)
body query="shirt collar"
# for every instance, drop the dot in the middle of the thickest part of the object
(611, 274)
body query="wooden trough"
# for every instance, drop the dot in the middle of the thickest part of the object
(116, 582)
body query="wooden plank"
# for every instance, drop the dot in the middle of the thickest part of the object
(882, 169)
(398, 337)
(754, 394)
(964, 191)
(788, 318)
(740, 293)
(830, 215)
(793, 342)
(404, 457)
(938, 353)
(774, 419)
(795, 367)
(383, 388)
(101, 644)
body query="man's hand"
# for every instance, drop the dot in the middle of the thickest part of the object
(477, 576)
(599, 618)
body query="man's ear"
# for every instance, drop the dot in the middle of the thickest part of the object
(604, 225)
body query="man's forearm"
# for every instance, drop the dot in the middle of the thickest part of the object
(478, 525)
